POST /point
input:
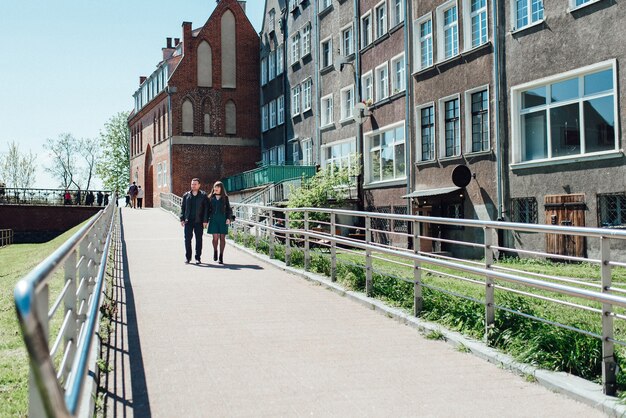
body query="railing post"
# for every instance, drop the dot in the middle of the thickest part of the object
(272, 235)
(83, 274)
(333, 248)
(287, 241)
(490, 310)
(256, 229)
(307, 253)
(71, 332)
(418, 299)
(41, 302)
(368, 258)
(608, 357)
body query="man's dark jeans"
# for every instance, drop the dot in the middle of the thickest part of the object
(190, 229)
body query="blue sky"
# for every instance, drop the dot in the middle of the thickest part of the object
(69, 65)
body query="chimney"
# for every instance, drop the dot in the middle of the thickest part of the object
(186, 37)
(176, 41)
(142, 78)
(242, 3)
(168, 43)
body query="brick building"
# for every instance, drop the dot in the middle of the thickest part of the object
(197, 114)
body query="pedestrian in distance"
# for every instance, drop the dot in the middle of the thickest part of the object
(106, 199)
(133, 190)
(194, 215)
(140, 195)
(67, 198)
(220, 216)
(77, 196)
(128, 205)
(99, 198)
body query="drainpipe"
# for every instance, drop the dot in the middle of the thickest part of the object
(169, 134)
(496, 86)
(357, 94)
(286, 86)
(408, 96)
(318, 139)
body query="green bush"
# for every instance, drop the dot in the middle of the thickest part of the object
(320, 264)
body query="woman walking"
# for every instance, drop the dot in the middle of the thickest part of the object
(220, 214)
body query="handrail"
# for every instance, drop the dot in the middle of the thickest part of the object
(48, 197)
(86, 250)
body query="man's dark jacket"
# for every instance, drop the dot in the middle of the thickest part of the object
(202, 208)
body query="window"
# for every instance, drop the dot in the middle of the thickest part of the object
(340, 154)
(571, 114)
(386, 155)
(272, 19)
(159, 175)
(477, 121)
(280, 105)
(451, 145)
(295, 152)
(574, 4)
(366, 30)
(424, 45)
(347, 47)
(306, 94)
(367, 86)
(397, 12)
(295, 101)
(164, 184)
(307, 152)
(295, 48)
(524, 210)
(272, 114)
(281, 154)
(187, 117)
(527, 12)
(476, 19)
(381, 20)
(327, 53)
(306, 39)
(272, 65)
(450, 32)
(327, 110)
(264, 118)
(398, 81)
(347, 102)
(382, 82)
(325, 4)
(612, 210)
(426, 133)
(280, 66)
(264, 71)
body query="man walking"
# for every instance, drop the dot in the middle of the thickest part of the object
(194, 217)
(133, 190)
(140, 195)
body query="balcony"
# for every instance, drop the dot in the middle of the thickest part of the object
(267, 175)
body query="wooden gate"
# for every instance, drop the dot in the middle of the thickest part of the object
(565, 210)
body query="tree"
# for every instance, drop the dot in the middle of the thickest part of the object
(63, 151)
(113, 166)
(90, 152)
(17, 169)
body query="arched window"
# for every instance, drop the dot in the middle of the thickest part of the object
(205, 65)
(229, 50)
(187, 117)
(207, 123)
(231, 117)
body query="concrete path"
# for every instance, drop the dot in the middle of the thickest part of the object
(246, 339)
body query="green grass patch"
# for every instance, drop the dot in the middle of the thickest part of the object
(15, 262)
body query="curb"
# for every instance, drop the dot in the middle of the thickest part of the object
(569, 385)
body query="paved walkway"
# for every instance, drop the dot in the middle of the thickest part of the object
(246, 339)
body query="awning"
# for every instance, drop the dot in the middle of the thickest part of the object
(432, 192)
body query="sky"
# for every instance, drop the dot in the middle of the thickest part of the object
(70, 65)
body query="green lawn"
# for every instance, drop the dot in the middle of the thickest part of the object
(15, 262)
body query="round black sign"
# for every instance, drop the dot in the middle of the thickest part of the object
(461, 176)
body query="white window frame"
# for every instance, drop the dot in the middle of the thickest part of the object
(516, 115)
(347, 107)
(164, 163)
(468, 33)
(328, 40)
(159, 175)
(573, 7)
(295, 154)
(307, 151)
(295, 48)
(379, 33)
(441, 48)
(468, 118)
(326, 4)
(368, 149)
(326, 116)
(264, 118)
(350, 30)
(441, 149)
(365, 94)
(418, 134)
(418, 42)
(327, 160)
(295, 101)
(280, 110)
(281, 155)
(307, 94)
(370, 31)
(272, 114)
(305, 40)
(263, 71)
(531, 22)
(381, 95)
(394, 88)
(394, 20)
(272, 65)
(280, 64)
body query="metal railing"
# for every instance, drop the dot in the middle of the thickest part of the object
(266, 175)
(171, 202)
(400, 240)
(59, 363)
(49, 197)
(6, 237)
(278, 192)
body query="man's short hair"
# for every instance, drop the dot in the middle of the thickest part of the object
(195, 179)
